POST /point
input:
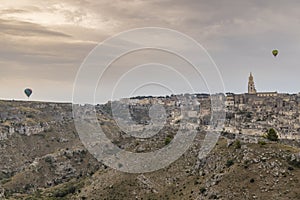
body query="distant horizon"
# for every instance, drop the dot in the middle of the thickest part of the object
(145, 96)
(154, 95)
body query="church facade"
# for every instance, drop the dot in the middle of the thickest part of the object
(252, 95)
(252, 90)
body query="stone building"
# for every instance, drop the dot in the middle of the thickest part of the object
(251, 86)
(252, 90)
(252, 96)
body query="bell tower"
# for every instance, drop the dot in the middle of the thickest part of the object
(251, 86)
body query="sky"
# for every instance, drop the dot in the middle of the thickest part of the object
(44, 43)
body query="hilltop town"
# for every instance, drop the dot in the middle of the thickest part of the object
(43, 157)
(251, 113)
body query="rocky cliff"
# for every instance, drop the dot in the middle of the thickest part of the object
(42, 157)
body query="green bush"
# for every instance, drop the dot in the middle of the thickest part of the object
(249, 115)
(237, 144)
(49, 159)
(229, 163)
(6, 180)
(202, 190)
(272, 135)
(167, 140)
(261, 142)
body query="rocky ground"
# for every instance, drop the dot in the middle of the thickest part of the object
(43, 158)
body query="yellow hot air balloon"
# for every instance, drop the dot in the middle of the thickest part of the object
(275, 52)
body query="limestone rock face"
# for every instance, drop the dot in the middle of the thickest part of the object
(29, 130)
(42, 156)
(3, 136)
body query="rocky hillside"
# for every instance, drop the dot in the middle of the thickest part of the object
(43, 158)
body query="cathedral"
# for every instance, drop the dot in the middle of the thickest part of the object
(252, 90)
(252, 95)
(251, 86)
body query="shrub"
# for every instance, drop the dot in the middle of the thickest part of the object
(249, 115)
(49, 159)
(272, 135)
(237, 144)
(30, 116)
(246, 164)
(196, 182)
(167, 140)
(6, 180)
(229, 163)
(202, 190)
(65, 191)
(294, 162)
(261, 142)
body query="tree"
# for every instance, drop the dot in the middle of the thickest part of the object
(272, 135)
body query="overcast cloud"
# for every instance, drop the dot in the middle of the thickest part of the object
(43, 43)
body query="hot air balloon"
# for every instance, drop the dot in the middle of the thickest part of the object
(275, 52)
(28, 92)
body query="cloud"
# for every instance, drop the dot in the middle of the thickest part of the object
(25, 29)
(51, 38)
